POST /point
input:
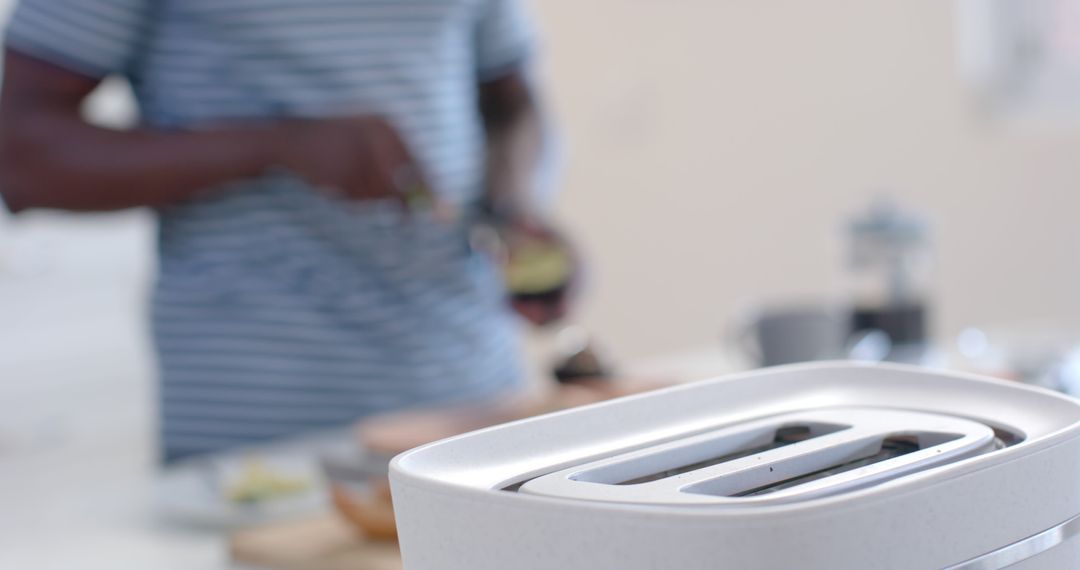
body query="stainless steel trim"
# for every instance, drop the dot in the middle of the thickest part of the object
(1021, 551)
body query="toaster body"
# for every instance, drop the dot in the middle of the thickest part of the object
(823, 466)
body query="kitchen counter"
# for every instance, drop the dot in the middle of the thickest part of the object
(77, 472)
(77, 482)
(76, 468)
(76, 409)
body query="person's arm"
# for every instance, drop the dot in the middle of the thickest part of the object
(514, 145)
(51, 158)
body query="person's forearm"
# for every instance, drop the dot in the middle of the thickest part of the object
(58, 161)
(514, 149)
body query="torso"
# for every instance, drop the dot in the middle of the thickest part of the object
(277, 309)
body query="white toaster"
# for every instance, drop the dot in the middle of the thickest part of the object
(828, 466)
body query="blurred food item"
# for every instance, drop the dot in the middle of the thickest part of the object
(367, 507)
(365, 500)
(390, 434)
(538, 268)
(539, 265)
(276, 481)
(258, 483)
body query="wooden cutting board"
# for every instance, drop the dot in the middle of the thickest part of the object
(319, 543)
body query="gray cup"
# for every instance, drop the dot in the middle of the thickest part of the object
(787, 334)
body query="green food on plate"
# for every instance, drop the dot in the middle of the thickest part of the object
(537, 267)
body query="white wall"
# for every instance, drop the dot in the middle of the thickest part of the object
(715, 147)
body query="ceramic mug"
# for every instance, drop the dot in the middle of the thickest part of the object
(773, 335)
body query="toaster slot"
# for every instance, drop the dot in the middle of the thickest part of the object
(699, 455)
(891, 448)
(799, 471)
(781, 437)
(794, 457)
(1006, 437)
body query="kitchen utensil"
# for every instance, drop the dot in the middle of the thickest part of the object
(819, 467)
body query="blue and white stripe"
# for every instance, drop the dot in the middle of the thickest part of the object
(278, 310)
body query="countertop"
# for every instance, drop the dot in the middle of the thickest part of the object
(77, 469)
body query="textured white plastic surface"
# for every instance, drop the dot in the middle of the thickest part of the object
(453, 513)
(854, 433)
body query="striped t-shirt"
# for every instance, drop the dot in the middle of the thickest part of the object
(278, 310)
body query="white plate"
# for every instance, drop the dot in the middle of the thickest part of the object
(195, 492)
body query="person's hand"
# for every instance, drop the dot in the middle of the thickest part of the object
(551, 306)
(356, 158)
